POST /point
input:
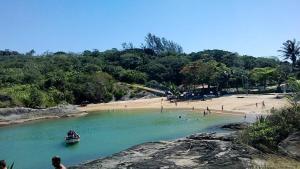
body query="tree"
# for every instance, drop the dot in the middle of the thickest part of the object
(196, 73)
(126, 45)
(262, 75)
(173, 65)
(295, 87)
(94, 88)
(130, 60)
(133, 76)
(210, 73)
(291, 50)
(161, 45)
(156, 71)
(219, 74)
(281, 74)
(31, 52)
(35, 99)
(249, 62)
(238, 78)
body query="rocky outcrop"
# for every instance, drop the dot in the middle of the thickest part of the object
(57, 110)
(236, 126)
(21, 114)
(291, 145)
(196, 151)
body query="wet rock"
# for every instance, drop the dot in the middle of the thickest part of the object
(236, 126)
(291, 145)
(197, 151)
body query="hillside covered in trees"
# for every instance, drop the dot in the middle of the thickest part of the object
(52, 78)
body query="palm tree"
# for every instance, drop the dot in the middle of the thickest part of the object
(290, 50)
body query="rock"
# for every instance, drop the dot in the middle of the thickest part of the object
(4, 98)
(291, 145)
(16, 111)
(236, 126)
(27, 113)
(197, 151)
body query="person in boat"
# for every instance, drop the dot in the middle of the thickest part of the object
(3, 164)
(72, 134)
(56, 162)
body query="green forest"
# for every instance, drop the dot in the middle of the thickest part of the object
(49, 79)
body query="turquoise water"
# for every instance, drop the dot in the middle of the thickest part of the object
(32, 145)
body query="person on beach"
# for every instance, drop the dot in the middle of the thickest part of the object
(263, 103)
(56, 162)
(3, 164)
(245, 117)
(208, 110)
(256, 104)
(222, 107)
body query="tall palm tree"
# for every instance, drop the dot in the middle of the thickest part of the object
(291, 50)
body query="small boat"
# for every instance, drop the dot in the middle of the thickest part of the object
(72, 137)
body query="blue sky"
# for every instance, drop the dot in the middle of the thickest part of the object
(253, 27)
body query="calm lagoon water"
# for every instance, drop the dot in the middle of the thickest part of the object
(32, 145)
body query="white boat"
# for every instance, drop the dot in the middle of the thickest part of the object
(72, 137)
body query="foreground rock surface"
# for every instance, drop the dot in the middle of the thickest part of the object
(196, 151)
(291, 145)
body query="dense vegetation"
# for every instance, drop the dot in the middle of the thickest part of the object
(91, 76)
(268, 131)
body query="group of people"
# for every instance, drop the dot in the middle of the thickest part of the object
(56, 162)
(207, 111)
(72, 134)
(262, 104)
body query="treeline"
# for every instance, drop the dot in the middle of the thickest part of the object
(91, 76)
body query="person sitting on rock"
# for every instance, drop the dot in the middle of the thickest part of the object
(56, 162)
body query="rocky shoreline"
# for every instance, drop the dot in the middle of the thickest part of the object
(208, 150)
(202, 150)
(18, 115)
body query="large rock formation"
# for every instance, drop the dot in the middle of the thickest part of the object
(196, 151)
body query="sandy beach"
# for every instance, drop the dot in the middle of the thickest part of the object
(231, 104)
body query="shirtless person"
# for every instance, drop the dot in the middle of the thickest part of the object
(3, 164)
(56, 162)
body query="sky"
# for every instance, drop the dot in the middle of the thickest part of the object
(249, 27)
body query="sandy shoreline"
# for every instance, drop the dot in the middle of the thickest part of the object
(233, 104)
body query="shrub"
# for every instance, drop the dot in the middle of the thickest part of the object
(34, 99)
(119, 91)
(133, 76)
(267, 132)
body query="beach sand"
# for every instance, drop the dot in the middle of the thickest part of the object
(231, 104)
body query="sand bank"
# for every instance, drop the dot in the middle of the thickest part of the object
(231, 104)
